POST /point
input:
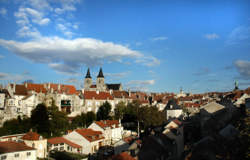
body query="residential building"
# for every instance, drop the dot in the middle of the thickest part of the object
(10, 150)
(174, 130)
(62, 144)
(172, 110)
(111, 129)
(34, 140)
(94, 99)
(88, 139)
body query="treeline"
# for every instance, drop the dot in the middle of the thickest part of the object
(50, 122)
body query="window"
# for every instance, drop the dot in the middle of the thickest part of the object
(3, 157)
(61, 144)
(55, 144)
(16, 155)
(33, 145)
(68, 148)
(61, 148)
(28, 153)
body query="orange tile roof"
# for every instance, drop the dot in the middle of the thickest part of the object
(128, 139)
(120, 94)
(108, 123)
(122, 156)
(90, 134)
(20, 89)
(57, 140)
(67, 89)
(31, 136)
(100, 96)
(36, 87)
(191, 105)
(11, 146)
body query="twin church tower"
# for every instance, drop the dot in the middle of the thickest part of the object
(100, 83)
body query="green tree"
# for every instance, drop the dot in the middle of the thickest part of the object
(120, 110)
(103, 112)
(90, 117)
(40, 120)
(58, 121)
(79, 121)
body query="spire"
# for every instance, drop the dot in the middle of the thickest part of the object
(88, 74)
(100, 75)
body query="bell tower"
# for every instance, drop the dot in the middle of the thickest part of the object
(100, 85)
(87, 81)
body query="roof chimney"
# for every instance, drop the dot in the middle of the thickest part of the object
(97, 91)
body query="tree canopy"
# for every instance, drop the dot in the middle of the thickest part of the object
(103, 112)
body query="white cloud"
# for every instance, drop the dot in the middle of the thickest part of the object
(26, 31)
(40, 4)
(239, 35)
(66, 6)
(138, 43)
(211, 36)
(3, 11)
(117, 75)
(1, 56)
(142, 82)
(149, 61)
(159, 38)
(243, 67)
(74, 53)
(14, 77)
(139, 85)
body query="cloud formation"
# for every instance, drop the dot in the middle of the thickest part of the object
(202, 71)
(239, 35)
(3, 11)
(211, 36)
(68, 55)
(243, 67)
(14, 77)
(140, 85)
(159, 38)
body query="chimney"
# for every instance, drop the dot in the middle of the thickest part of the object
(26, 85)
(59, 87)
(82, 91)
(49, 85)
(111, 91)
(14, 87)
(97, 91)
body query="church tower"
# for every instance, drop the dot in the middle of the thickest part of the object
(100, 85)
(87, 81)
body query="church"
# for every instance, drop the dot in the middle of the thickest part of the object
(100, 83)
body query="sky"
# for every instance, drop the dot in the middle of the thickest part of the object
(147, 45)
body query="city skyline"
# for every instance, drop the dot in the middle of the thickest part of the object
(150, 46)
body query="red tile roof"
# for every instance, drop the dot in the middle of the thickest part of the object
(10, 146)
(36, 87)
(57, 140)
(122, 156)
(62, 88)
(31, 136)
(97, 96)
(120, 94)
(20, 89)
(90, 134)
(192, 105)
(176, 121)
(108, 123)
(128, 139)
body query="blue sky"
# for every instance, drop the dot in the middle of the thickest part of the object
(153, 45)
